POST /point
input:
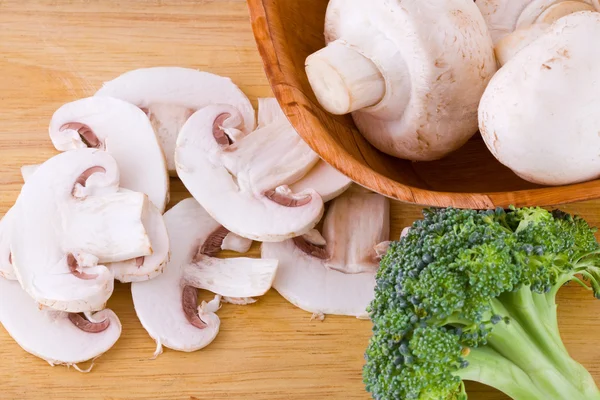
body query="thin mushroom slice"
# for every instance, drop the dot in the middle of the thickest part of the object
(235, 184)
(323, 178)
(139, 268)
(231, 277)
(306, 276)
(122, 130)
(58, 337)
(354, 224)
(167, 305)
(70, 218)
(170, 95)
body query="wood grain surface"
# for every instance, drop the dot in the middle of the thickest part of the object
(287, 31)
(55, 51)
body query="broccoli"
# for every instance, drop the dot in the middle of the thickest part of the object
(470, 295)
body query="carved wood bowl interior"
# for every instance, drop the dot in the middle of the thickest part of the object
(286, 32)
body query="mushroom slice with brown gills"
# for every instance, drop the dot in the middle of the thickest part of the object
(323, 178)
(169, 95)
(122, 130)
(167, 305)
(70, 218)
(137, 269)
(58, 337)
(306, 276)
(242, 184)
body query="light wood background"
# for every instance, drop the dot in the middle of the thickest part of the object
(55, 51)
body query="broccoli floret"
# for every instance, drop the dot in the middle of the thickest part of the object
(470, 295)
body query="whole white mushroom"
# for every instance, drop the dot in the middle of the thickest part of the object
(539, 115)
(411, 72)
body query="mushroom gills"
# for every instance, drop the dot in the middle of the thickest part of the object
(242, 185)
(58, 337)
(167, 305)
(314, 278)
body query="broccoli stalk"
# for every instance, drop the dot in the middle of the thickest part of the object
(471, 295)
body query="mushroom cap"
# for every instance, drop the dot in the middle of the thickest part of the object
(50, 334)
(323, 178)
(158, 302)
(172, 94)
(124, 131)
(526, 121)
(239, 184)
(434, 77)
(68, 218)
(340, 278)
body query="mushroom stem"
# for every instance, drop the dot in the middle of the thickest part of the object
(534, 21)
(556, 11)
(343, 79)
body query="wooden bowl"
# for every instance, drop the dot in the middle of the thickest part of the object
(286, 32)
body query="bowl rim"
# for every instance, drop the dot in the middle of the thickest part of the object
(372, 180)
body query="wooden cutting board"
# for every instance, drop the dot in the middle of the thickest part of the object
(55, 51)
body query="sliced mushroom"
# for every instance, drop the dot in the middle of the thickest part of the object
(167, 304)
(122, 130)
(58, 337)
(236, 243)
(354, 224)
(323, 178)
(133, 270)
(311, 277)
(70, 217)
(240, 184)
(169, 95)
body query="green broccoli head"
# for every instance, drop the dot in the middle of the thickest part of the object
(469, 294)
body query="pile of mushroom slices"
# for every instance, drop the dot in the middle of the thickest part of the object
(93, 214)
